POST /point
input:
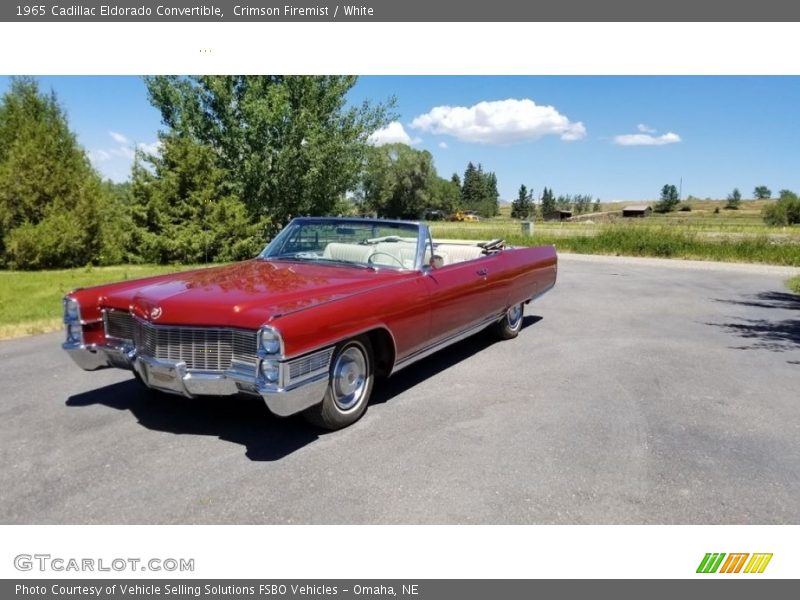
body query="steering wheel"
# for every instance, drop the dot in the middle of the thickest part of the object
(392, 256)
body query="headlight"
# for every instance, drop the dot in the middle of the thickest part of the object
(270, 341)
(74, 333)
(72, 310)
(72, 320)
(270, 370)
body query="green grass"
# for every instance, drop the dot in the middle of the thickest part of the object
(794, 284)
(30, 301)
(642, 239)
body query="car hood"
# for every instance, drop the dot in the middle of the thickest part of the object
(245, 294)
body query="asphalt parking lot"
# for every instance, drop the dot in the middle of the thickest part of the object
(639, 391)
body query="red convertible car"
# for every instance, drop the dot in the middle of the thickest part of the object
(328, 306)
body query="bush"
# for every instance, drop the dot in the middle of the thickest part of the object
(734, 199)
(786, 211)
(56, 241)
(686, 208)
(794, 284)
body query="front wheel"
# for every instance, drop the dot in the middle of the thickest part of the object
(349, 386)
(510, 325)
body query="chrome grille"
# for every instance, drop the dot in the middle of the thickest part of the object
(203, 348)
(119, 324)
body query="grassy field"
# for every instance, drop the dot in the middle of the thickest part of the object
(726, 235)
(30, 301)
(794, 284)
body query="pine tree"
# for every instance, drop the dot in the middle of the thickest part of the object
(521, 208)
(549, 210)
(471, 189)
(51, 199)
(491, 205)
(183, 210)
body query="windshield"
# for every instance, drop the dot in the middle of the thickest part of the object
(363, 243)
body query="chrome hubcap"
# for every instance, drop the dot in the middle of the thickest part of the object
(349, 378)
(514, 316)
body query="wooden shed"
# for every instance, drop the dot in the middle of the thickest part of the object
(637, 210)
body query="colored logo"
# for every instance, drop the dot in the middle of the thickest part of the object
(719, 562)
(155, 313)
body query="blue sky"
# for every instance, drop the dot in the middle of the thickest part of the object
(617, 138)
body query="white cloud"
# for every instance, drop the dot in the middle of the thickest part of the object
(645, 128)
(646, 139)
(98, 156)
(118, 137)
(499, 122)
(443, 145)
(116, 161)
(393, 133)
(122, 151)
(153, 148)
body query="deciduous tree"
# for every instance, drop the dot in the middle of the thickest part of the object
(401, 182)
(734, 199)
(668, 200)
(287, 145)
(762, 192)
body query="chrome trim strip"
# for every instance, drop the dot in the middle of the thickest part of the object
(348, 296)
(350, 334)
(433, 348)
(423, 235)
(190, 327)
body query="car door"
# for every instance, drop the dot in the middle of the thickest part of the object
(461, 295)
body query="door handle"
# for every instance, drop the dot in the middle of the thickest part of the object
(482, 272)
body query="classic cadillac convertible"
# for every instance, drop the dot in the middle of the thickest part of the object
(329, 305)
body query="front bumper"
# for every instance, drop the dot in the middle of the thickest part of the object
(175, 378)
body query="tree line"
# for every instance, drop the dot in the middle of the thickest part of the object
(239, 156)
(400, 182)
(551, 206)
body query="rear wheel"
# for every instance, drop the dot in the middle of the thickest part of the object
(349, 386)
(510, 325)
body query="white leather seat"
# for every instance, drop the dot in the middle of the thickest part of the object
(390, 254)
(354, 253)
(403, 253)
(456, 253)
(398, 253)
